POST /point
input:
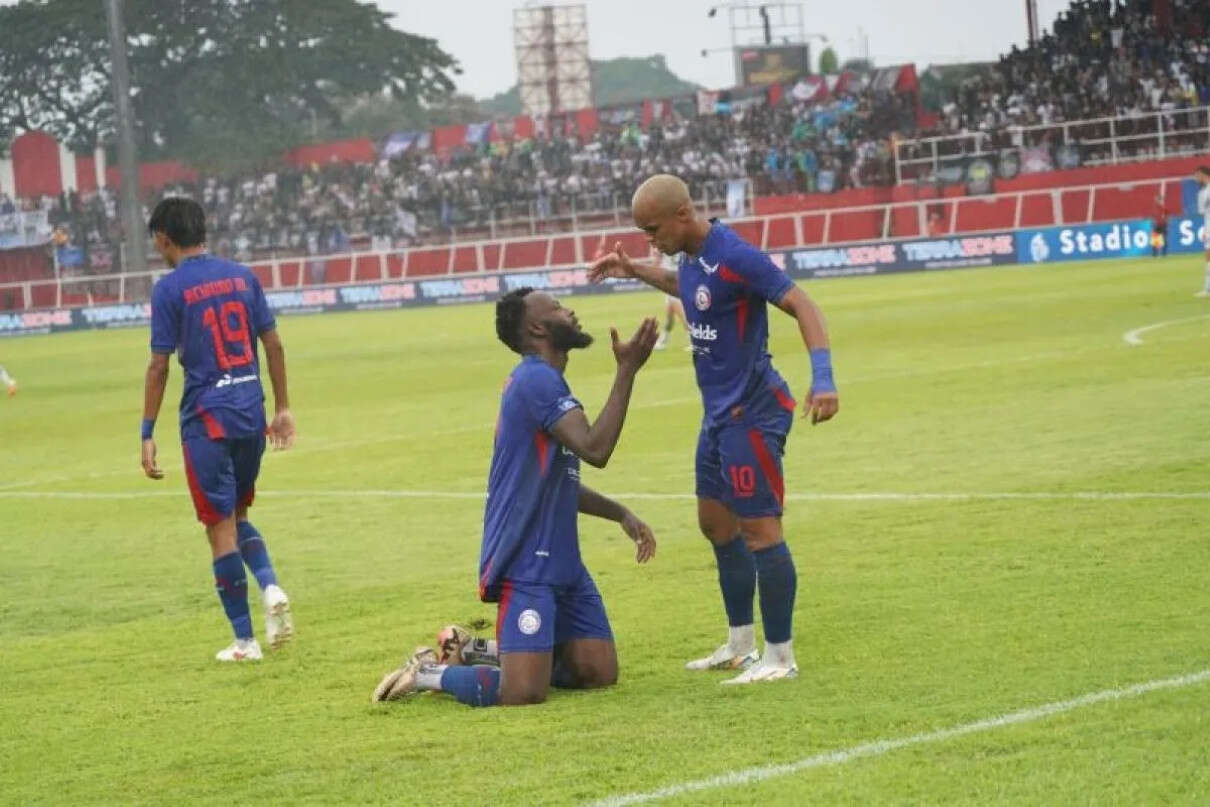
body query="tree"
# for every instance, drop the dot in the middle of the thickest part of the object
(378, 115)
(623, 80)
(829, 62)
(54, 71)
(211, 80)
(629, 80)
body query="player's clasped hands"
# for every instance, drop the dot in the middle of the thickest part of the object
(641, 534)
(611, 264)
(635, 352)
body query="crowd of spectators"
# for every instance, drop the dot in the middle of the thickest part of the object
(1104, 58)
(793, 146)
(319, 209)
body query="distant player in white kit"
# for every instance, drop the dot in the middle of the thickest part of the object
(673, 310)
(9, 382)
(1202, 175)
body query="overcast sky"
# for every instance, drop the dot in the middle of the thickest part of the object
(479, 32)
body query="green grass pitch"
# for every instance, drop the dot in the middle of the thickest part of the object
(914, 614)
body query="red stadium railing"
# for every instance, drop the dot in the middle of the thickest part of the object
(888, 222)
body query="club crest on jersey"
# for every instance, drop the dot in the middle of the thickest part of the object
(529, 622)
(701, 298)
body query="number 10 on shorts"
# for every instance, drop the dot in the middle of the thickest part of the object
(743, 481)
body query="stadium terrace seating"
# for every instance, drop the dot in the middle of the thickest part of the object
(822, 151)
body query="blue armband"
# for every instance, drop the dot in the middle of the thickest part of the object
(821, 371)
(147, 428)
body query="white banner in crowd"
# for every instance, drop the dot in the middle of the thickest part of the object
(736, 189)
(24, 229)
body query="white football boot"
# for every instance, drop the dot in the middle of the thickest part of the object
(241, 650)
(662, 342)
(777, 664)
(763, 671)
(279, 625)
(724, 658)
(401, 683)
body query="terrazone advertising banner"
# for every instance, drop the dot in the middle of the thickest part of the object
(360, 297)
(1120, 239)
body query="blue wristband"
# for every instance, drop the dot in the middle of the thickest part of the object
(147, 428)
(821, 371)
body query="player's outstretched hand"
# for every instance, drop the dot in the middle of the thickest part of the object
(149, 464)
(281, 430)
(641, 534)
(821, 406)
(611, 264)
(634, 354)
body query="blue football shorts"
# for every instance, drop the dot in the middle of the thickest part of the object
(535, 617)
(739, 460)
(222, 474)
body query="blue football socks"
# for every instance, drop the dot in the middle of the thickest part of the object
(474, 686)
(232, 586)
(256, 554)
(737, 579)
(778, 583)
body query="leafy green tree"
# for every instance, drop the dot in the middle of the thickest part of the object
(211, 80)
(614, 81)
(829, 62)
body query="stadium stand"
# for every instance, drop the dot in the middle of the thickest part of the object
(1112, 84)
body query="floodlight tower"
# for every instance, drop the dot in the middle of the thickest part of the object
(553, 71)
(757, 23)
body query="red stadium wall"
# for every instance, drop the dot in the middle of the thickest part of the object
(356, 150)
(790, 203)
(154, 175)
(448, 137)
(1102, 174)
(36, 165)
(968, 213)
(86, 172)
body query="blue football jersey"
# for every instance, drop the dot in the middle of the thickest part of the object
(724, 290)
(211, 311)
(533, 489)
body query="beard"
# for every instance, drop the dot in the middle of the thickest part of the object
(565, 337)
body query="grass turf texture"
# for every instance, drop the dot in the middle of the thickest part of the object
(912, 615)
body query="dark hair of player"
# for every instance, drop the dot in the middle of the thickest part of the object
(182, 220)
(510, 317)
(1203, 169)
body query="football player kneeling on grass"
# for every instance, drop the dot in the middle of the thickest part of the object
(551, 627)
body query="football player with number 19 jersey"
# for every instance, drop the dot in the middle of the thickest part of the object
(212, 313)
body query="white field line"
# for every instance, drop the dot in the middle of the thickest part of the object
(1135, 337)
(486, 428)
(859, 496)
(306, 447)
(880, 747)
